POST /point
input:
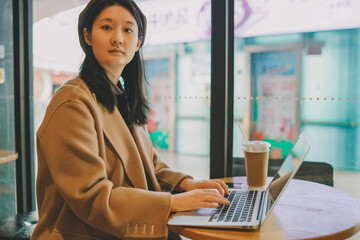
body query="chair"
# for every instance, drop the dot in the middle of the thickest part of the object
(319, 172)
(18, 226)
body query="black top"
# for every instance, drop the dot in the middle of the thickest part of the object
(122, 103)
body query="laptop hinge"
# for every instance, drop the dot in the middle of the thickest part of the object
(262, 203)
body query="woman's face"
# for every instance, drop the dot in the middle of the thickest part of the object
(114, 38)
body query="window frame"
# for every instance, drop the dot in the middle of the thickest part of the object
(222, 88)
(23, 78)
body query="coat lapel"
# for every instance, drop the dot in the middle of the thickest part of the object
(145, 149)
(118, 134)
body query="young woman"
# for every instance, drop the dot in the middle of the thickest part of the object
(98, 174)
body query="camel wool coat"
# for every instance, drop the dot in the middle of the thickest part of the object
(94, 174)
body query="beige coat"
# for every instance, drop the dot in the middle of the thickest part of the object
(93, 174)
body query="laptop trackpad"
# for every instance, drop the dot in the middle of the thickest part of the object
(191, 217)
(197, 212)
(204, 211)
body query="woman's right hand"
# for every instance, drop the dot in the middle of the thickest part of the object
(199, 198)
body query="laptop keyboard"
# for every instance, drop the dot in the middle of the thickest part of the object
(241, 207)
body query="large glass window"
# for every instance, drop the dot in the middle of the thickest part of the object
(7, 112)
(320, 98)
(287, 82)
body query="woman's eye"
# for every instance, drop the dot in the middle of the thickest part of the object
(128, 30)
(106, 27)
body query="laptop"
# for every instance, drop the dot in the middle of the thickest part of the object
(249, 208)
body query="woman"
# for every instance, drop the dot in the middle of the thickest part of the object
(98, 174)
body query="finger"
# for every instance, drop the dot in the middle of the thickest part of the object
(224, 186)
(220, 189)
(216, 199)
(209, 191)
(212, 192)
(208, 205)
(215, 185)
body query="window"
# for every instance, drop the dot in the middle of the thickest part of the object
(7, 109)
(292, 82)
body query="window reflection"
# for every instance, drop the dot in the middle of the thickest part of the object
(287, 170)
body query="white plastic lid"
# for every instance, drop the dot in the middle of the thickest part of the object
(256, 146)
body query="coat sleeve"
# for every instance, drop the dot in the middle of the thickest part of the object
(70, 145)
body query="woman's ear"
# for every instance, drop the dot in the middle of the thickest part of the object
(87, 36)
(138, 44)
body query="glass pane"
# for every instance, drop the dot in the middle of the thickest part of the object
(331, 79)
(177, 66)
(299, 82)
(7, 113)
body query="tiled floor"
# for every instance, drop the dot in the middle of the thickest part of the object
(198, 167)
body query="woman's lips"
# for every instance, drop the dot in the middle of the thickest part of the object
(116, 50)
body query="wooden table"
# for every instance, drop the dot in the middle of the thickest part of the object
(306, 210)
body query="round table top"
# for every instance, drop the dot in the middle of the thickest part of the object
(7, 156)
(306, 210)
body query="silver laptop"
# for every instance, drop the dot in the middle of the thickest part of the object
(248, 208)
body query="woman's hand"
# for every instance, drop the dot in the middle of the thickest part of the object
(190, 184)
(199, 198)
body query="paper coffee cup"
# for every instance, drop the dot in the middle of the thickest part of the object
(256, 163)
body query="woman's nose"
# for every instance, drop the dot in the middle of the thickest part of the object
(117, 38)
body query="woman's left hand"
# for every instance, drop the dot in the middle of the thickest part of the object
(191, 184)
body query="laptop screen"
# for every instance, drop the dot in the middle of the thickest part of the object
(285, 173)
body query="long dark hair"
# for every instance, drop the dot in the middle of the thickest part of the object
(133, 74)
